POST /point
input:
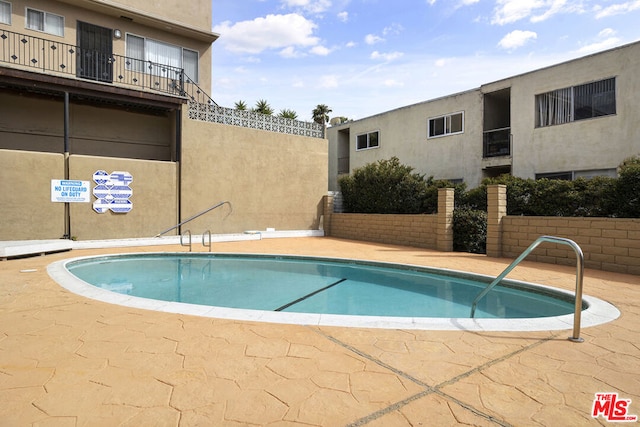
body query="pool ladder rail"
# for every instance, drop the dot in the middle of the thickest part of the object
(579, 277)
(205, 242)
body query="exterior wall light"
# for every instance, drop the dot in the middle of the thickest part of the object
(117, 34)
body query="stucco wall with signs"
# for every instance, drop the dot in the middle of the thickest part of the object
(154, 199)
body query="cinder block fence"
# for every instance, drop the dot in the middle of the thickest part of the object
(610, 244)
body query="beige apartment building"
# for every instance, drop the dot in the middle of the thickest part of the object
(113, 94)
(578, 118)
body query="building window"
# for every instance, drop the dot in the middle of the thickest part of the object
(141, 49)
(446, 125)
(45, 22)
(572, 175)
(368, 140)
(5, 12)
(565, 176)
(574, 103)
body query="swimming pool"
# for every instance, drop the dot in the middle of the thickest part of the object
(293, 289)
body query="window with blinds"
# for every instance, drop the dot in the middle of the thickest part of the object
(45, 22)
(574, 103)
(142, 50)
(5, 12)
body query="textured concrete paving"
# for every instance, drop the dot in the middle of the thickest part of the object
(69, 361)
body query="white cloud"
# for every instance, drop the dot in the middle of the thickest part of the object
(386, 56)
(343, 16)
(270, 32)
(509, 11)
(289, 52)
(329, 81)
(606, 40)
(617, 9)
(393, 29)
(516, 39)
(392, 83)
(372, 39)
(310, 6)
(320, 50)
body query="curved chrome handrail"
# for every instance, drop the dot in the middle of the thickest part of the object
(195, 216)
(579, 277)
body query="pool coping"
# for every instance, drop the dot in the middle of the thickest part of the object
(598, 312)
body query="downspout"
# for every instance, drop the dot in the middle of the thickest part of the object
(178, 155)
(67, 209)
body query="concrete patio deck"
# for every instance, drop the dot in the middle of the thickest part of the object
(70, 361)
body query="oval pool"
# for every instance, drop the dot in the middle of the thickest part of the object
(292, 289)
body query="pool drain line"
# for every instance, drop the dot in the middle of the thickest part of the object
(310, 295)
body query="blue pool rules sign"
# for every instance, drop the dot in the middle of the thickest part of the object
(112, 191)
(70, 191)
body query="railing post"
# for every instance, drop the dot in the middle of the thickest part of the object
(183, 91)
(444, 229)
(496, 211)
(327, 213)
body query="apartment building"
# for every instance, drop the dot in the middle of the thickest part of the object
(119, 88)
(68, 59)
(578, 118)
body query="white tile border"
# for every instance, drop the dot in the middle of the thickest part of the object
(597, 313)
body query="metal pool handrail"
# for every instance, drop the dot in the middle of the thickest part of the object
(579, 276)
(194, 217)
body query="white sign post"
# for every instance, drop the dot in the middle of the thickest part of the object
(70, 191)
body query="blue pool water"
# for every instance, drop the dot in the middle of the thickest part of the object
(315, 285)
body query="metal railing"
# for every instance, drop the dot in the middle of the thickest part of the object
(188, 233)
(39, 54)
(579, 276)
(206, 243)
(496, 142)
(199, 214)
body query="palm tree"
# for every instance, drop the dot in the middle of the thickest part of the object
(263, 107)
(241, 105)
(288, 114)
(321, 114)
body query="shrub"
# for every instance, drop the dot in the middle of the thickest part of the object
(385, 187)
(628, 188)
(430, 204)
(469, 230)
(476, 199)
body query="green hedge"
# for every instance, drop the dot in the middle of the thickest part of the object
(388, 187)
(469, 230)
(385, 187)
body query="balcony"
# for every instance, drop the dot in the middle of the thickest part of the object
(496, 143)
(54, 58)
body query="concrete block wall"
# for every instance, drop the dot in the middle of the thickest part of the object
(610, 244)
(422, 231)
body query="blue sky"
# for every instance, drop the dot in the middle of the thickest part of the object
(363, 57)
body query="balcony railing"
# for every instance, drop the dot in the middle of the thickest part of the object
(496, 142)
(38, 54)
